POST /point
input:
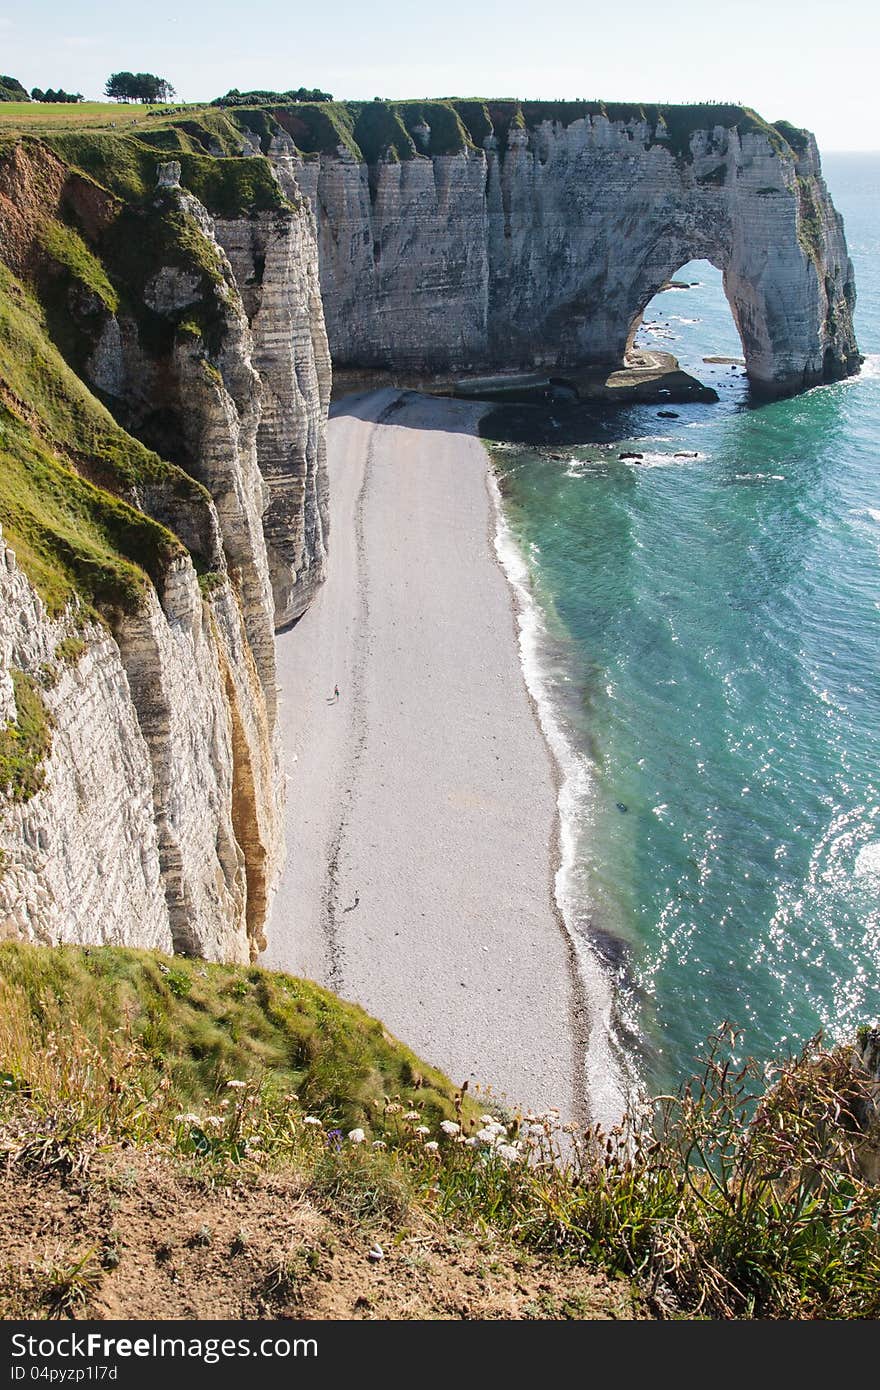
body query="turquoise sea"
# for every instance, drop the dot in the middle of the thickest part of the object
(705, 642)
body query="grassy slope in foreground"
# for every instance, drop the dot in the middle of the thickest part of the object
(723, 1201)
(202, 1025)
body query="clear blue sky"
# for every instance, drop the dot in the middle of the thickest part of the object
(816, 64)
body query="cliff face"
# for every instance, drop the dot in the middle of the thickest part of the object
(275, 263)
(140, 794)
(81, 857)
(534, 236)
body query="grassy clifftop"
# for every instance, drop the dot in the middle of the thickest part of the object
(369, 130)
(404, 129)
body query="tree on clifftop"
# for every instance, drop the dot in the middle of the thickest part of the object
(50, 94)
(138, 86)
(12, 90)
(263, 98)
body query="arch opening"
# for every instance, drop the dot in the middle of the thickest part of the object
(691, 320)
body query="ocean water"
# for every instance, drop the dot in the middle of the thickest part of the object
(704, 637)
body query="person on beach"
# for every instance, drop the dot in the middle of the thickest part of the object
(336, 692)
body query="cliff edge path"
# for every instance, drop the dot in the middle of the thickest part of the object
(421, 805)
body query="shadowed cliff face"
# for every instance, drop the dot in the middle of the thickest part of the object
(541, 245)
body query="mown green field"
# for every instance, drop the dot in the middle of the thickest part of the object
(41, 117)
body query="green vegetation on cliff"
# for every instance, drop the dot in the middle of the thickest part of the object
(388, 129)
(24, 743)
(75, 484)
(208, 151)
(71, 535)
(368, 130)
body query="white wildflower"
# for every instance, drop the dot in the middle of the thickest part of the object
(356, 1136)
(311, 1120)
(422, 1129)
(237, 1085)
(187, 1120)
(412, 1115)
(508, 1152)
(393, 1108)
(432, 1147)
(215, 1121)
(378, 1144)
(449, 1127)
(487, 1119)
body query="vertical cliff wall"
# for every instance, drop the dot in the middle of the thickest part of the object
(467, 235)
(275, 264)
(164, 502)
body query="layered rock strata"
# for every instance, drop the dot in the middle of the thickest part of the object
(276, 267)
(80, 859)
(539, 245)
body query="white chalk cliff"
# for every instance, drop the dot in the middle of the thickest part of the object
(157, 821)
(539, 244)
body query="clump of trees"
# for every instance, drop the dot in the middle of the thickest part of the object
(138, 86)
(12, 90)
(236, 98)
(50, 94)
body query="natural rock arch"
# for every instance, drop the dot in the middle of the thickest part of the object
(600, 226)
(540, 248)
(644, 292)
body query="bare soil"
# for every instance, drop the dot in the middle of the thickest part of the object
(140, 1238)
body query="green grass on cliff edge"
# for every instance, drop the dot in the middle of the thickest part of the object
(119, 147)
(202, 1025)
(211, 166)
(386, 129)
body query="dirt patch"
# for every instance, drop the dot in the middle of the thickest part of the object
(141, 1239)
